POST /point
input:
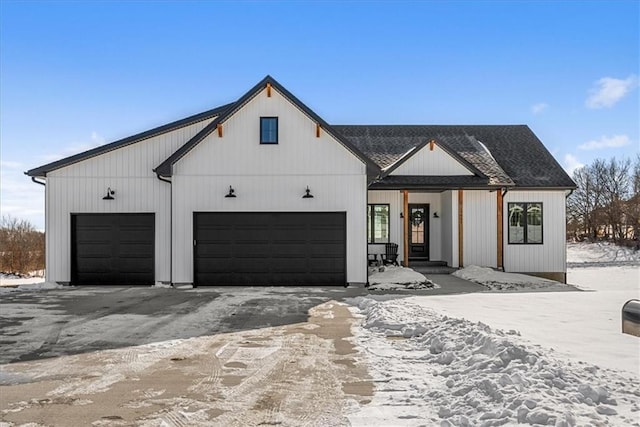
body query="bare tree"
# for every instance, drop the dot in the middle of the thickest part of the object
(21, 246)
(584, 204)
(616, 186)
(632, 207)
(605, 202)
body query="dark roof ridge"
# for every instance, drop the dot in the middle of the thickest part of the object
(43, 170)
(429, 125)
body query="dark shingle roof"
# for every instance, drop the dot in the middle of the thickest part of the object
(43, 170)
(516, 156)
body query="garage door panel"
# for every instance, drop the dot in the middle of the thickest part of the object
(113, 249)
(136, 250)
(270, 248)
(95, 250)
(135, 265)
(292, 249)
(322, 265)
(94, 265)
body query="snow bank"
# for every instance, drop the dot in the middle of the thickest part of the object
(9, 286)
(397, 278)
(436, 370)
(13, 280)
(500, 281)
(600, 254)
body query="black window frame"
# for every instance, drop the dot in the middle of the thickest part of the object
(262, 121)
(525, 239)
(371, 223)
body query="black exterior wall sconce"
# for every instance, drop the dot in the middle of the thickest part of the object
(109, 195)
(231, 193)
(435, 215)
(401, 215)
(307, 194)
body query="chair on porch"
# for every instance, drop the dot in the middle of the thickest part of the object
(391, 254)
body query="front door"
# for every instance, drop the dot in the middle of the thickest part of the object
(419, 231)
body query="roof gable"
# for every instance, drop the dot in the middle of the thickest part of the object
(42, 171)
(236, 150)
(431, 158)
(166, 167)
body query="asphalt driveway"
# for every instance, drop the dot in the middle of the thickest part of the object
(37, 325)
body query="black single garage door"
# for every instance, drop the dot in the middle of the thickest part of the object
(112, 249)
(270, 248)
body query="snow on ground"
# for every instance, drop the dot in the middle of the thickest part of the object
(397, 278)
(544, 358)
(13, 283)
(431, 369)
(579, 325)
(600, 253)
(500, 281)
(12, 280)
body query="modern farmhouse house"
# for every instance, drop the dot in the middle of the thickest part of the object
(264, 192)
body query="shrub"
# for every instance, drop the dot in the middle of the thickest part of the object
(21, 247)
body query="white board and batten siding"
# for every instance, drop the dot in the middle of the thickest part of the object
(79, 188)
(269, 178)
(449, 219)
(549, 256)
(431, 163)
(480, 228)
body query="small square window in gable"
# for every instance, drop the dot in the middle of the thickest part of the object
(268, 130)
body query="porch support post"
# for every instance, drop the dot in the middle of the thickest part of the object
(500, 230)
(460, 229)
(405, 227)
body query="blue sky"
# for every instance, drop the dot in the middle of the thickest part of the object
(76, 74)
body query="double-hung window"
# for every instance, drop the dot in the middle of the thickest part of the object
(525, 223)
(378, 223)
(268, 130)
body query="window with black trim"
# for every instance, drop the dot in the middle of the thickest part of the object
(268, 130)
(525, 223)
(378, 223)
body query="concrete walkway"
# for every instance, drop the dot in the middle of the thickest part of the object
(450, 284)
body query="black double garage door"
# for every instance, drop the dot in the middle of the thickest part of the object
(270, 248)
(247, 248)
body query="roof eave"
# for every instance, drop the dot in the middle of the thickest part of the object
(543, 188)
(432, 187)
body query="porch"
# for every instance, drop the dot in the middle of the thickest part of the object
(437, 230)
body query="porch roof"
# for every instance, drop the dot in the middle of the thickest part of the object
(422, 182)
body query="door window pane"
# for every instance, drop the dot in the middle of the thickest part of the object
(417, 225)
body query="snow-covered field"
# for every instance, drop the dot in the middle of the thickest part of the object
(543, 358)
(600, 254)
